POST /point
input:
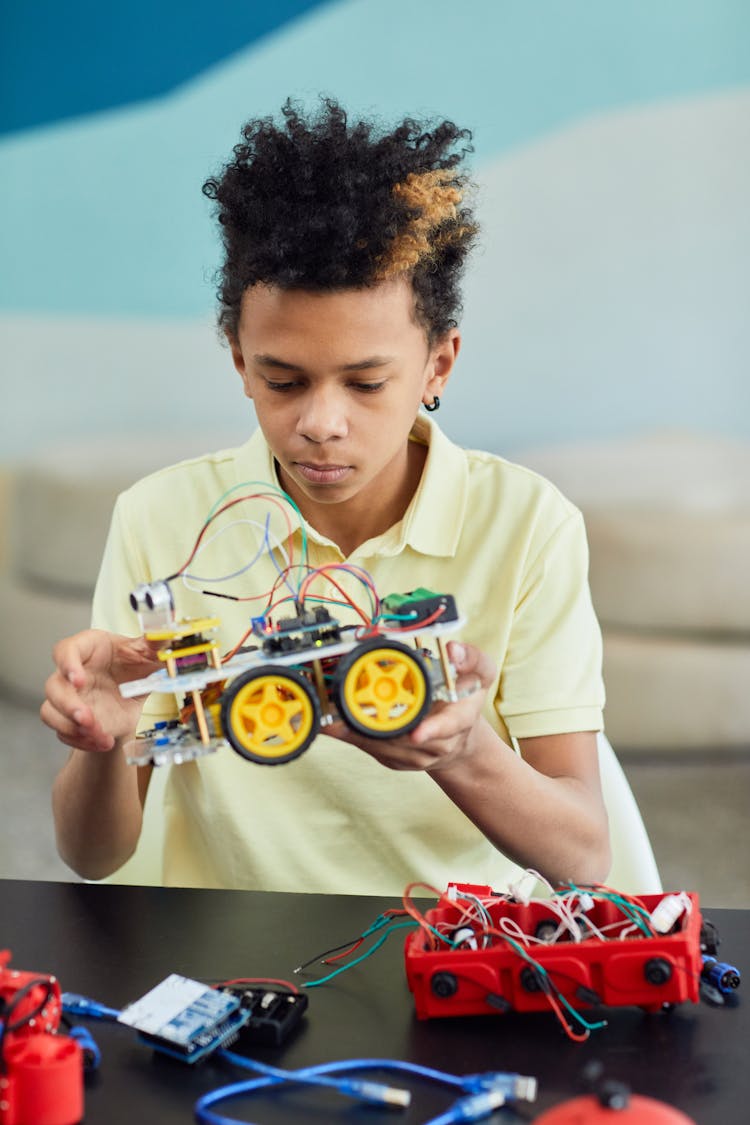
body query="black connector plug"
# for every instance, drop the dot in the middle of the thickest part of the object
(273, 1013)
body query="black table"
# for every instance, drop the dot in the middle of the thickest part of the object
(115, 943)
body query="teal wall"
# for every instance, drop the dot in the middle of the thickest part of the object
(612, 149)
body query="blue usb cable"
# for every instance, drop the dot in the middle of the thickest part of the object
(482, 1093)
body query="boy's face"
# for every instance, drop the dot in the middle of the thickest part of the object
(337, 380)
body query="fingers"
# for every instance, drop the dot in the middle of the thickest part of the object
(83, 705)
(65, 710)
(447, 733)
(445, 723)
(468, 660)
(451, 728)
(72, 653)
(475, 673)
(63, 691)
(81, 737)
(394, 754)
(78, 736)
(438, 737)
(75, 726)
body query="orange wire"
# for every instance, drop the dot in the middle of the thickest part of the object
(619, 894)
(394, 912)
(422, 922)
(594, 887)
(225, 508)
(344, 953)
(417, 914)
(576, 1036)
(238, 646)
(418, 625)
(363, 577)
(357, 571)
(256, 980)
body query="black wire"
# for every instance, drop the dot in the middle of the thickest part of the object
(8, 1025)
(49, 992)
(328, 952)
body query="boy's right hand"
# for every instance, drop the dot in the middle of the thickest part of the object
(83, 705)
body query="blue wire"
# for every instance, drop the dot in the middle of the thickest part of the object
(469, 1108)
(269, 548)
(426, 1072)
(204, 1115)
(276, 1072)
(75, 1005)
(226, 577)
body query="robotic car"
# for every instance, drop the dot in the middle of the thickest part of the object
(268, 700)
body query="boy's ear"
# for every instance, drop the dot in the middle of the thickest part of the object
(442, 359)
(239, 362)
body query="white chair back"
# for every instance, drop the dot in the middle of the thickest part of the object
(633, 868)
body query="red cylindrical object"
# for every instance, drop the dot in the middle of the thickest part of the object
(43, 1082)
(590, 1111)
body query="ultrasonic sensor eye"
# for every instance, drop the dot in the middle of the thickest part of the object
(153, 603)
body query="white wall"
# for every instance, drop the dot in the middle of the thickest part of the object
(611, 292)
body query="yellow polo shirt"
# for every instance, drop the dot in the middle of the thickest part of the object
(501, 539)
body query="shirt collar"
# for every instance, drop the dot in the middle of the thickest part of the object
(431, 524)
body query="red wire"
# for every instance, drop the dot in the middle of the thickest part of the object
(225, 508)
(417, 914)
(634, 899)
(256, 980)
(394, 912)
(594, 887)
(240, 643)
(415, 628)
(357, 571)
(344, 953)
(363, 577)
(576, 1036)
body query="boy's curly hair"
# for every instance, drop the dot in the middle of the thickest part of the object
(325, 204)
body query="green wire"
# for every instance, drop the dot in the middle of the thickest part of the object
(363, 957)
(394, 617)
(631, 910)
(543, 973)
(383, 920)
(267, 487)
(576, 1014)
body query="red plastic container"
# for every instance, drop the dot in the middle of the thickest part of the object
(589, 1111)
(41, 1079)
(43, 1084)
(632, 969)
(39, 985)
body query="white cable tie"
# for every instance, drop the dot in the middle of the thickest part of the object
(667, 912)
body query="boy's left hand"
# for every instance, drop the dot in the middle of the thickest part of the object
(447, 734)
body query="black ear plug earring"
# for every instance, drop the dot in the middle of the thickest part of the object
(434, 405)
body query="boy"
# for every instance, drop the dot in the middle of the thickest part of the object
(344, 247)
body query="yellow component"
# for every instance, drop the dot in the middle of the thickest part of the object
(384, 689)
(211, 701)
(189, 650)
(213, 711)
(184, 629)
(271, 716)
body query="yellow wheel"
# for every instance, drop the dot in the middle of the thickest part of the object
(382, 689)
(270, 716)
